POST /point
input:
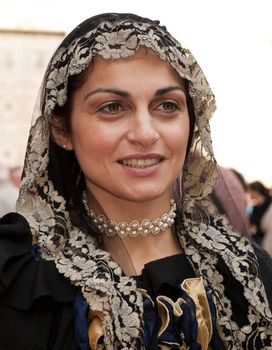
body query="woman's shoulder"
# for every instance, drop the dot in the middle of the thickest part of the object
(36, 309)
(15, 227)
(23, 277)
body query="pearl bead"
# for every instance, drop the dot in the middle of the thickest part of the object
(169, 221)
(160, 224)
(110, 232)
(156, 222)
(156, 230)
(122, 233)
(145, 232)
(123, 225)
(165, 226)
(145, 223)
(133, 233)
(165, 217)
(151, 227)
(134, 225)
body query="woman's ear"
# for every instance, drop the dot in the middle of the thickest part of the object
(63, 141)
(60, 134)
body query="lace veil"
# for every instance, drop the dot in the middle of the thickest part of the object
(52, 183)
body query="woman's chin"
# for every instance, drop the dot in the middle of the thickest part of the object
(144, 195)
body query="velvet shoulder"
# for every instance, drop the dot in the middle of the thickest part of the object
(24, 278)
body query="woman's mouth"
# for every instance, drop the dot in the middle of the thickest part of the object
(140, 163)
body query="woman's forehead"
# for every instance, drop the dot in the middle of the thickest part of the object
(144, 57)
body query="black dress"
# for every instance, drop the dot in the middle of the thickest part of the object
(41, 310)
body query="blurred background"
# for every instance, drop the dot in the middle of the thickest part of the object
(232, 41)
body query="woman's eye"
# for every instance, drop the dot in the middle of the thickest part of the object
(112, 108)
(168, 106)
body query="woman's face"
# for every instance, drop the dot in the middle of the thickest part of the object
(256, 198)
(130, 127)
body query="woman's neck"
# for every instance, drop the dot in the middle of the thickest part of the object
(118, 209)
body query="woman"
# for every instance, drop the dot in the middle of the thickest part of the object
(118, 262)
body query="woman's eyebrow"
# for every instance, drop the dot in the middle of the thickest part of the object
(123, 93)
(168, 89)
(108, 90)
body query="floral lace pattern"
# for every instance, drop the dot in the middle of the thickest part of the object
(75, 253)
(238, 255)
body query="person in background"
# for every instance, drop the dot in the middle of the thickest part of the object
(9, 191)
(260, 218)
(116, 243)
(266, 226)
(230, 198)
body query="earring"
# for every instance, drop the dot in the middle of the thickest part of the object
(64, 146)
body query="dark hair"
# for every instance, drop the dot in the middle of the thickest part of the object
(259, 187)
(61, 118)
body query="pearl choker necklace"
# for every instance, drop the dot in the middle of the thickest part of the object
(133, 228)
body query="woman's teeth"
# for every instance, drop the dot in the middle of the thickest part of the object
(140, 163)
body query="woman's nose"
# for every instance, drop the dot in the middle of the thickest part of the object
(142, 129)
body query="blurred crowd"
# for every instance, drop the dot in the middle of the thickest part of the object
(248, 206)
(9, 188)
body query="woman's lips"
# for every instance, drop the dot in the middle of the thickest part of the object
(140, 163)
(144, 165)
